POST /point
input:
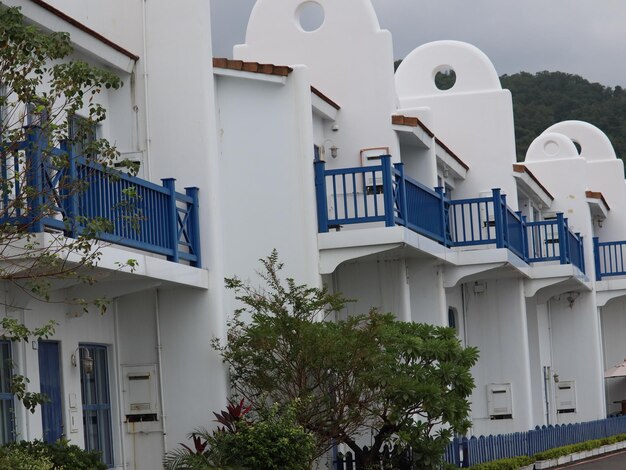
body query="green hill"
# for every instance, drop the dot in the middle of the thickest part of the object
(545, 98)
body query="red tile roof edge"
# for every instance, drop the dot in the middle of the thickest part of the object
(325, 98)
(253, 67)
(597, 195)
(86, 29)
(400, 120)
(452, 154)
(519, 168)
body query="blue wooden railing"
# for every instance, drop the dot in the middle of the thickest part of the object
(464, 452)
(383, 193)
(51, 188)
(609, 258)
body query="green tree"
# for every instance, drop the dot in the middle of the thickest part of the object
(369, 375)
(42, 94)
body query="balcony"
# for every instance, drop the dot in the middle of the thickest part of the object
(40, 194)
(609, 258)
(383, 194)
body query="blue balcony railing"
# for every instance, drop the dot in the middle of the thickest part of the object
(49, 188)
(609, 258)
(383, 193)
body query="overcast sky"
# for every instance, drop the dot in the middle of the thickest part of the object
(585, 37)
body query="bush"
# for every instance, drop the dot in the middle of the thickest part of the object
(20, 459)
(581, 447)
(272, 442)
(505, 464)
(59, 455)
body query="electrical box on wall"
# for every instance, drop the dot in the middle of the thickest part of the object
(566, 396)
(499, 401)
(141, 400)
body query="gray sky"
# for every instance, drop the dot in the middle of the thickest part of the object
(585, 37)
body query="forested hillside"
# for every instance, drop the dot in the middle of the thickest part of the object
(545, 98)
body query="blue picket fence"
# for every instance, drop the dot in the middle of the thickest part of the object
(464, 452)
(50, 188)
(383, 193)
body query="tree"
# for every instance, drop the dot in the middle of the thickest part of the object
(48, 113)
(404, 383)
(48, 108)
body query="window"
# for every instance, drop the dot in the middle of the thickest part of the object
(82, 132)
(96, 401)
(452, 317)
(7, 418)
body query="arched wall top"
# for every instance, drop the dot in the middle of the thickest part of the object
(551, 146)
(474, 71)
(280, 20)
(594, 144)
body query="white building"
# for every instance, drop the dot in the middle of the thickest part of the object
(508, 274)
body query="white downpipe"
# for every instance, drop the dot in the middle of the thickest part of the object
(24, 368)
(145, 91)
(157, 320)
(118, 378)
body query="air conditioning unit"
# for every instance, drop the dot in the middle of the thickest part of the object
(499, 401)
(566, 396)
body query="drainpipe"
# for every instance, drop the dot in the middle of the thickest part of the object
(145, 90)
(120, 385)
(157, 320)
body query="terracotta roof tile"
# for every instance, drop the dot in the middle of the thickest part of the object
(86, 29)
(401, 120)
(519, 168)
(253, 67)
(325, 98)
(597, 195)
(452, 154)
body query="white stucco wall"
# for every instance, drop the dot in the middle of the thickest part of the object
(359, 79)
(474, 118)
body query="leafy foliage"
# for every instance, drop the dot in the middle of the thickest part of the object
(405, 383)
(545, 98)
(42, 94)
(272, 441)
(60, 455)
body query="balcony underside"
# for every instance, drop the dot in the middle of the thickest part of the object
(461, 265)
(113, 275)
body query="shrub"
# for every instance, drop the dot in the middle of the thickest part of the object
(20, 459)
(505, 464)
(61, 455)
(272, 442)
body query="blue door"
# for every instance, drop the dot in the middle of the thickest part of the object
(50, 380)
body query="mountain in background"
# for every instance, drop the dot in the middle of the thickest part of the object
(545, 98)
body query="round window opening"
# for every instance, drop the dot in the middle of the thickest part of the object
(310, 16)
(445, 78)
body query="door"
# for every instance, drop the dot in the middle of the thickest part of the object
(50, 382)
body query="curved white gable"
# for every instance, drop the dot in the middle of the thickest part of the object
(594, 144)
(474, 71)
(551, 146)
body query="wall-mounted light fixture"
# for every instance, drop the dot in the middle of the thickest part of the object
(329, 145)
(86, 361)
(571, 298)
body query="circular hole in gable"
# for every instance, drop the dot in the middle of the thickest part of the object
(579, 149)
(445, 77)
(310, 16)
